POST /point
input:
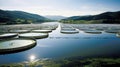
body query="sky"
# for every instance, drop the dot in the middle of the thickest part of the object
(61, 7)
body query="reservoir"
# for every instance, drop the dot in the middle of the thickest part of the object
(60, 45)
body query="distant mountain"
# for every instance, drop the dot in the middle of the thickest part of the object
(55, 17)
(79, 18)
(19, 17)
(107, 17)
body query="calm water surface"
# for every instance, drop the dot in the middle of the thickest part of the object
(59, 45)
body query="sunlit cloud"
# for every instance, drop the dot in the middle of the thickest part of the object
(68, 12)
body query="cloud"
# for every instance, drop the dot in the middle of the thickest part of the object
(68, 12)
(59, 7)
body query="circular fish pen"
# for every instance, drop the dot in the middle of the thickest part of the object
(19, 31)
(16, 44)
(69, 29)
(118, 35)
(92, 31)
(8, 35)
(69, 32)
(42, 31)
(34, 35)
(100, 28)
(112, 31)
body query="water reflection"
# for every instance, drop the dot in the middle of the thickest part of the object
(59, 45)
(32, 58)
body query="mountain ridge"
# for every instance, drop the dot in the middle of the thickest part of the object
(106, 17)
(20, 17)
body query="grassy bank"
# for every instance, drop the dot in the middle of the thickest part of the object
(69, 62)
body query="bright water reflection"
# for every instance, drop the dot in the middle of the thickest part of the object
(32, 58)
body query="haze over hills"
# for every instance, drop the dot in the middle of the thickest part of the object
(20, 17)
(55, 17)
(107, 17)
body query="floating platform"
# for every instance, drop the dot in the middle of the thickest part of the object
(118, 34)
(8, 35)
(16, 44)
(42, 31)
(68, 29)
(69, 32)
(112, 31)
(19, 31)
(100, 28)
(92, 31)
(34, 35)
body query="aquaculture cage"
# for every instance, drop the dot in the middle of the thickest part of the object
(34, 35)
(16, 45)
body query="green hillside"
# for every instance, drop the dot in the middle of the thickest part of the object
(107, 17)
(20, 17)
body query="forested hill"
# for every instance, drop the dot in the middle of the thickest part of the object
(107, 17)
(20, 17)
